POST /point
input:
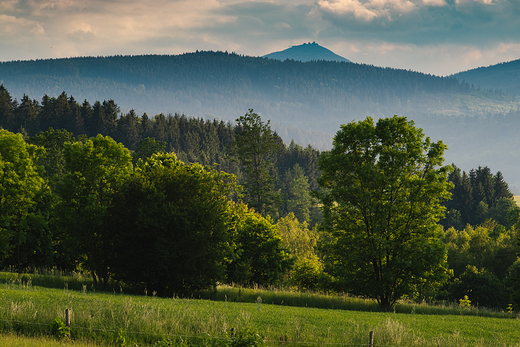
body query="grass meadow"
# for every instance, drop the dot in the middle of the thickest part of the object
(281, 318)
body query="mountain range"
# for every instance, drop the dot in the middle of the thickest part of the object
(476, 113)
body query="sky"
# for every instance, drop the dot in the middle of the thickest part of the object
(439, 37)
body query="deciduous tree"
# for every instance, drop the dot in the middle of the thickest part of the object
(95, 169)
(172, 227)
(20, 182)
(382, 188)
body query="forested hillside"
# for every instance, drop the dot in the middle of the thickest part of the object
(306, 102)
(314, 96)
(504, 76)
(306, 52)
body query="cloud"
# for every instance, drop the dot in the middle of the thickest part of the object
(13, 26)
(434, 3)
(422, 22)
(426, 35)
(367, 10)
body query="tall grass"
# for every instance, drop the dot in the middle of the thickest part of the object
(340, 301)
(54, 278)
(144, 320)
(11, 340)
(272, 295)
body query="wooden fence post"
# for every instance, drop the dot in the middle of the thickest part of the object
(67, 319)
(371, 339)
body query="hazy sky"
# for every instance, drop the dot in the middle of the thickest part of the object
(433, 36)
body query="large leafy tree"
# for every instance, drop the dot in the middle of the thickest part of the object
(172, 226)
(95, 169)
(382, 189)
(255, 145)
(20, 183)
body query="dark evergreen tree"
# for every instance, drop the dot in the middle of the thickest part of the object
(128, 130)
(255, 147)
(87, 113)
(27, 115)
(7, 105)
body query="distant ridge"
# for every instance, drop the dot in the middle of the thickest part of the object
(306, 52)
(504, 76)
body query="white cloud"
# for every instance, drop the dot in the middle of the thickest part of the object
(353, 7)
(367, 10)
(436, 3)
(11, 26)
(486, 2)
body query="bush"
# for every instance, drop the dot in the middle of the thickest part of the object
(59, 329)
(482, 288)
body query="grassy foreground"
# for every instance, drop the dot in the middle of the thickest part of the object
(11, 340)
(103, 318)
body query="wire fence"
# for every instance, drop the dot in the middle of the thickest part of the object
(282, 341)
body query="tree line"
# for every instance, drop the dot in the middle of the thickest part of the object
(174, 223)
(171, 227)
(191, 139)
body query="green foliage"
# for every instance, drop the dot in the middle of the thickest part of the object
(52, 160)
(261, 258)
(487, 246)
(96, 169)
(465, 302)
(246, 338)
(121, 339)
(254, 146)
(512, 282)
(299, 199)
(301, 243)
(482, 288)
(59, 329)
(383, 186)
(20, 184)
(478, 197)
(171, 226)
(146, 148)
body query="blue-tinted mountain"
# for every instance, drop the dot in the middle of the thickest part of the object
(307, 52)
(503, 76)
(305, 101)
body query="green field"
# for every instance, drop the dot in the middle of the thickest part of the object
(143, 320)
(11, 340)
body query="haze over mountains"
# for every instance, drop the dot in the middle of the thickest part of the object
(476, 113)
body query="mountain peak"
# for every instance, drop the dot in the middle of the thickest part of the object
(307, 52)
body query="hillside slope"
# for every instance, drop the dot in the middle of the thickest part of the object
(504, 76)
(315, 96)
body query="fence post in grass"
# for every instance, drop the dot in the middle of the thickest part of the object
(371, 339)
(67, 319)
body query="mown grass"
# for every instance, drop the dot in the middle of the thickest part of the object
(144, 320)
